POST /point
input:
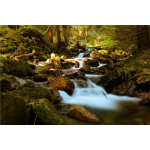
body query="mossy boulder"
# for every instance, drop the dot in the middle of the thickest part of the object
(31, 94)
(18, 68)
(48, 113)
(28, 85)
(13, 110)
(144, 80)
(91, 63)
(30, 32)
(10, 82)
(42, 70)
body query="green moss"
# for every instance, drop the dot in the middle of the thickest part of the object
(29, 31)
(28, 85)
(18, 68)
(48, 113)
(31, 94)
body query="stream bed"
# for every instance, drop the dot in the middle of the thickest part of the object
(111, 109)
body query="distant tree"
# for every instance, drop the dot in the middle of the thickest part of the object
(14, 27)
(142, 38)
(65, 33)
(50, 34)
(58, 36)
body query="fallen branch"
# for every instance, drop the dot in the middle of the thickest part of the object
(26, 55)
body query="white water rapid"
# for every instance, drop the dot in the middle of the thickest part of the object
(94, 96)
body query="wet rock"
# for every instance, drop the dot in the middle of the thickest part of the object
(123, 88)
(82, 84)
(81, 76)
(18, 68)
(56, 92)
(42, 70)
(29, 95)
(89, 70)
(13, 111)
(107, 82)
(40, 77)
(61, 83)
(48, 113)
(78, 112)
(58, 72)
(73, 63)
(91, 63)
(145, 99)
(72, 74)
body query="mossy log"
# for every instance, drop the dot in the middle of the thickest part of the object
(26, 55)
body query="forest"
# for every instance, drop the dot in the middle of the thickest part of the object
(75, 74)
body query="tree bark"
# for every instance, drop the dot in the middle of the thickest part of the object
(65, 35)
(50, 34)
(142, 37)
(14, 27)
(58, 36)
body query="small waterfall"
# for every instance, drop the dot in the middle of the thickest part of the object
(81, 55)
(94, 96)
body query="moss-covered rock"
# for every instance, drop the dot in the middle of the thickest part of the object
(91, 63)
(13, 111)
(14, 81)
(28, 85)
(31, 94)
(42, 70)
(48, 113)
(18, 68)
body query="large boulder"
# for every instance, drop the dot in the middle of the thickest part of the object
(31, 94)
(143, 81)
(42, 70)
(10, 82)
(107, 82)
(78, 112)
(13, 110)
(91, 63)
(72, 74)
(125, 88)
(61, 83)
(18, 68)
(98, 56)
(48, 113)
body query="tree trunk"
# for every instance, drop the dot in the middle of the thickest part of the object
(142, 37)
(17, 26)
(50, 34)
(58, 36)
(14, 27)
(65, 35)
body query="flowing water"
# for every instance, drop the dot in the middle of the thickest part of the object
(111, 109)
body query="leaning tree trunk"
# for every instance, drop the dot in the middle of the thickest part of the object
(50, 34)
(65, 35)
(58, 36)
(142, 37)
